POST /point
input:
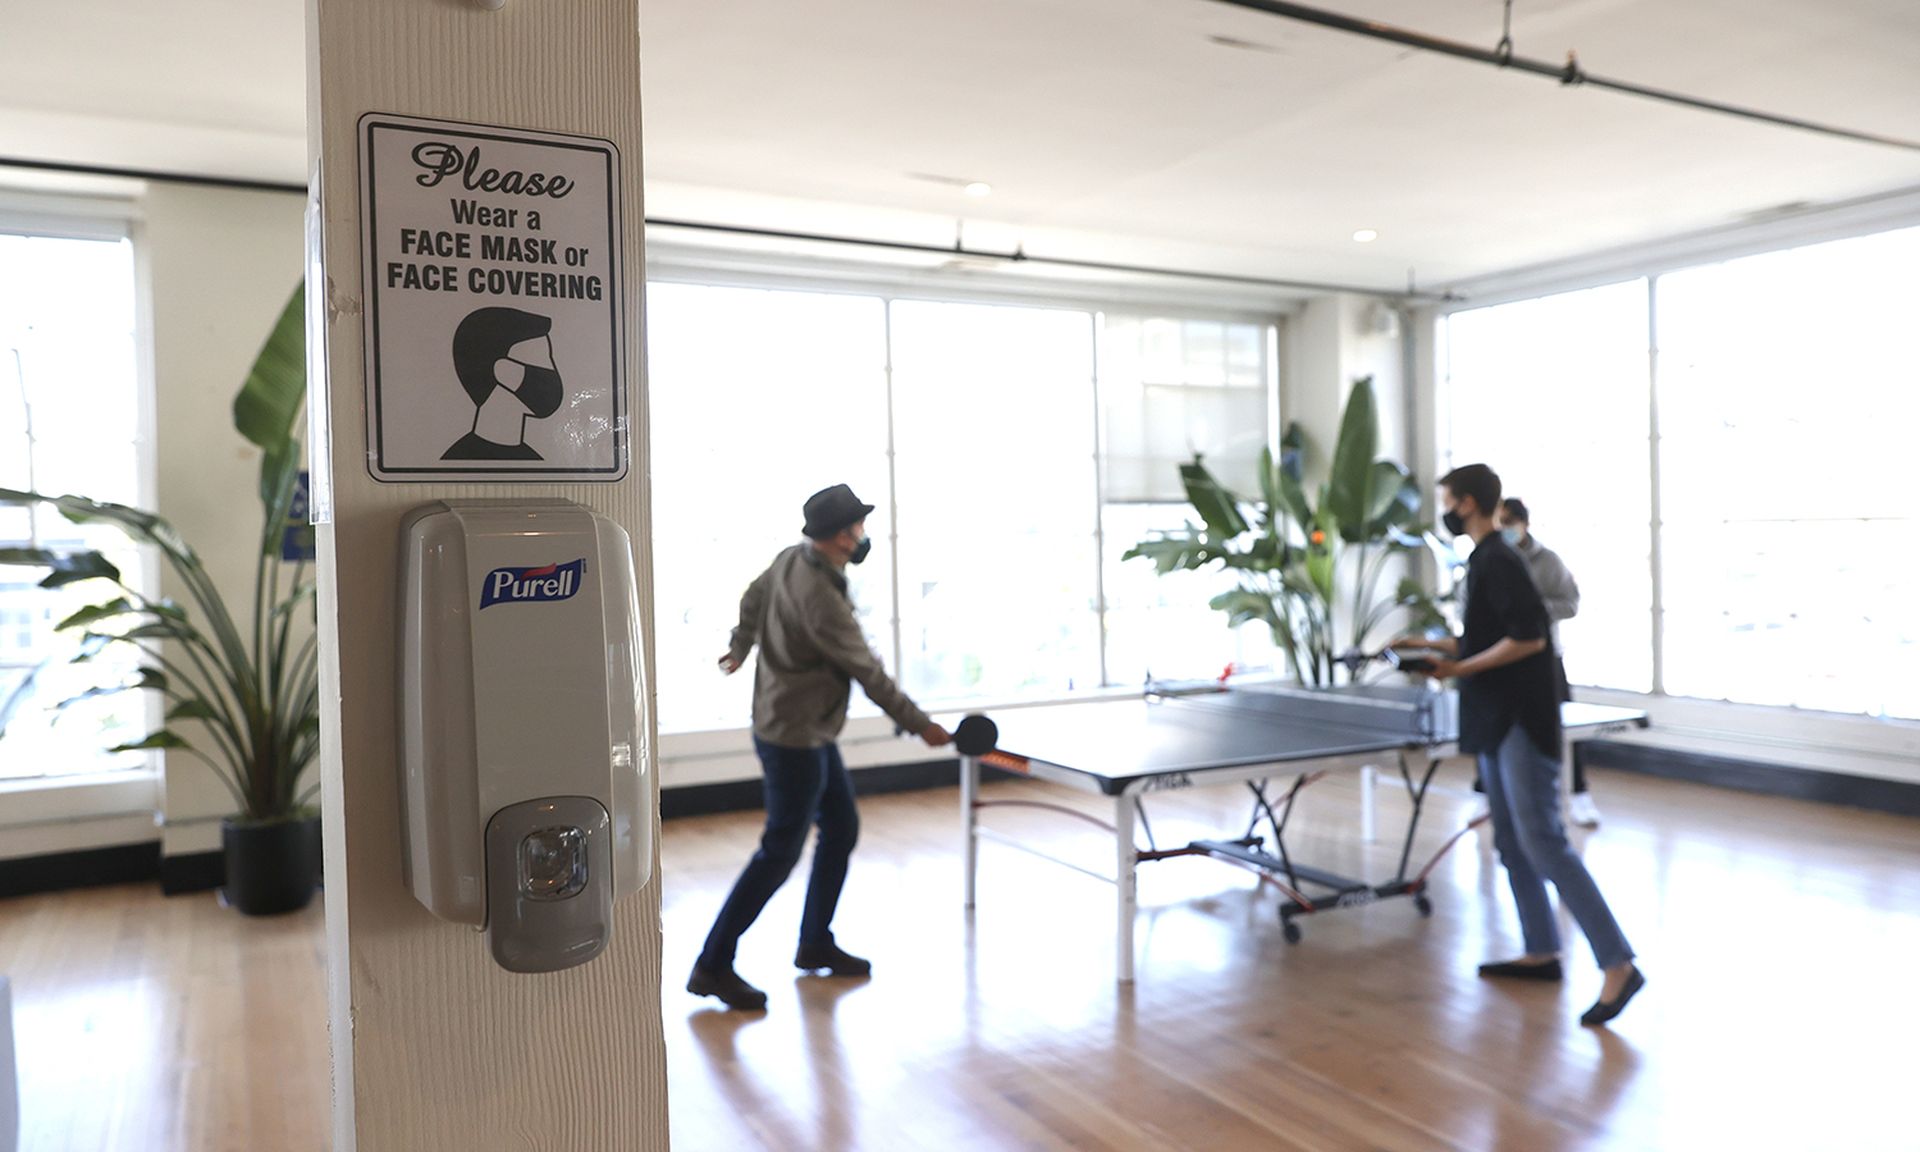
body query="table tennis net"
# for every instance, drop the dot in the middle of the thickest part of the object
(1424, 716)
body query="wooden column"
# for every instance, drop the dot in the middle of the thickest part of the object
(435, 1048)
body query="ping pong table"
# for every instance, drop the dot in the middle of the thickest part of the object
(1207, 735)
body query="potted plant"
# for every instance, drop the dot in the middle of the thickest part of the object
(241, 694)
(1287, 552)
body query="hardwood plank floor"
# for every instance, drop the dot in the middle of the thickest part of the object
(1779, 939)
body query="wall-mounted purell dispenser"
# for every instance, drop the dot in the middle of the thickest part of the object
(521, 735)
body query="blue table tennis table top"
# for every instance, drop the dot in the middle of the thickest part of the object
(1195, 728)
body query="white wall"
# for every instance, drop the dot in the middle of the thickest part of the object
(1332, 342)
(219, 265)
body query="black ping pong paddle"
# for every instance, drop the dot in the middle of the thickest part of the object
(976, 735)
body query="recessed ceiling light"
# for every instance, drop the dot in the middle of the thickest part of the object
(1365, 236)
(979, 188)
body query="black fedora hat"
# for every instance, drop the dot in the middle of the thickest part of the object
(831, 509)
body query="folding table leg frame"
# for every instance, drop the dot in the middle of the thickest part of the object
(1126, 856)
(969, 819)
(1281, 871)
(1126, 859)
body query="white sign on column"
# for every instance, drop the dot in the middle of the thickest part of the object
(492, 260)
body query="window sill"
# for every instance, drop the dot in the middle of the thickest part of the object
(1790, 737)
(65, 799)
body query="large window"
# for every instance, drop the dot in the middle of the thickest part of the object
(70, 422)
(977, 432)
(1789, 396)
(994, 451)
(756, 400)
(1170, 390)
(1552, 393)
(1786, 393)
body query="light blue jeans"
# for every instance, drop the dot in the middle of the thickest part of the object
(1523, 791)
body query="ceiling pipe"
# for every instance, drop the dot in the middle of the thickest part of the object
(1017, 256)
(1569, 73)
(1020, 256)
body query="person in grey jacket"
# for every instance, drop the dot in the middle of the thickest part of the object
(799, 614)
(1562, 596)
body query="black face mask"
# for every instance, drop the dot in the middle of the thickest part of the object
(1453, 522)
(541, 391)
(861, 550)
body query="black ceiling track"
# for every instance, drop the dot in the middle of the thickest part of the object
(1569, 73)
(1017, 256)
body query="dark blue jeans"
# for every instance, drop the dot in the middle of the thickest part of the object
(803, 786)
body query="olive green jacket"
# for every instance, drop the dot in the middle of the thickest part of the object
(811, 650)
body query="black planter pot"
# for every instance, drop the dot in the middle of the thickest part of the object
(270, 864)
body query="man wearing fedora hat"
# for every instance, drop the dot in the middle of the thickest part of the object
(811, 651)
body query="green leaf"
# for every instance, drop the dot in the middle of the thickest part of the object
(30, 557)
(302, 593)
(80, 510)
(1349, 495)
(1265, 554)
(1270, 481)
(1384, 487)
(1174, 552)
(1219, 509)
(1320, 571)
(91, 645)
(191, 710)
(157, 630)
(165, 738)
(276, 386)
(1402, 511)
(265, 408)
(146, 678)
(279, 477)
(68, 567)
(1244, 605)
(19, 695)
(96, 612)
(1294, 499)
(1423, 612)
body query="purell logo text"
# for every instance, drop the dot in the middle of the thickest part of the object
(540, 585)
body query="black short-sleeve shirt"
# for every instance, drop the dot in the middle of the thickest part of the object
(1502, 602)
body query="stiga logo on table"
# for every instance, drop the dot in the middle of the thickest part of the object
(541, 585)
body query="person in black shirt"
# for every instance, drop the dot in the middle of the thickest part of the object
(1510, 719)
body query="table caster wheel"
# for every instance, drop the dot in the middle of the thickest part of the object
(1423, 905)
(1291, 931)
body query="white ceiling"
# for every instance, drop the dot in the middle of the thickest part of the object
(1109, 129)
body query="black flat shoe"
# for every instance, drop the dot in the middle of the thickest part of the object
(1605, 1010)
(1548, 972)
(831, 957)
(727, 987)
